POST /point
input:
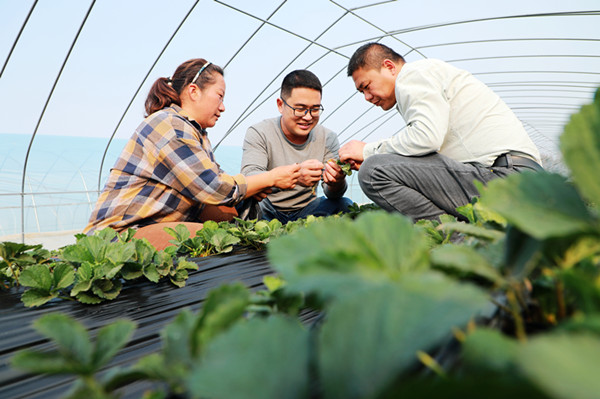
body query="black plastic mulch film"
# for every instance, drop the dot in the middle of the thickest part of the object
(151, 306)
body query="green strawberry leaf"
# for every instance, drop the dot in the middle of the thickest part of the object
(250, 354)
(37, 276)
(36, 297)
(70, 336)
(110, 339)
(563, 365)
(224, 306)
(64, 276)
(540, 204)
(42, 363)
(580, 145)
(372, 336)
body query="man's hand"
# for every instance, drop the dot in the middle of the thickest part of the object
(310, 172)
(333, 174)
(352, 152)
(262, 195)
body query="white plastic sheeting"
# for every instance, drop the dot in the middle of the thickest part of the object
(82, 69)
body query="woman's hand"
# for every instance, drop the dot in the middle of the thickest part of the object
(285, 177)
(282, 177)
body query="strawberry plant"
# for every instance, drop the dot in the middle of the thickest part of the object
(354, 210)
(46, 282)
(255, 234)
(275, 299)
(98, 261)
(15, 257)
(186, 338)
(213, 238)
(77, 355)
(92, 270)
(184, 244)
(218, 240)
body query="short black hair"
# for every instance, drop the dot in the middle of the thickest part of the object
(371, 56)
(300, 78)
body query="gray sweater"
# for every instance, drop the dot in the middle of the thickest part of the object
(266, 147)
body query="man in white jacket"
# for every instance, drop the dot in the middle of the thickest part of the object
(457, 131)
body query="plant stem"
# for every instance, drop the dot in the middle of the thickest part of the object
(515, 311)
(93, 385)
(10, 266)
(560, 300)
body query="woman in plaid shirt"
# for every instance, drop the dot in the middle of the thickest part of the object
(167, 173)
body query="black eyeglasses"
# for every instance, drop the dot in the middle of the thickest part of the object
(300, 112)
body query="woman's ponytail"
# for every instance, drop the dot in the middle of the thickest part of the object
(161, 95)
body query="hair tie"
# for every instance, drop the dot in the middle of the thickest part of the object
(169, 81)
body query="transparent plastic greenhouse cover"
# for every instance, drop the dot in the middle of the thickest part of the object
(74, 76)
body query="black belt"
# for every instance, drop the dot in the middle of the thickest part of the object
(509, 160)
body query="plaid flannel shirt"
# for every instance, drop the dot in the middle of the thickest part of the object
(166, 173)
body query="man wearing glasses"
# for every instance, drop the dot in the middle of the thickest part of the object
(296, 137)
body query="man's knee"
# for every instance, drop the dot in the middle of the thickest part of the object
(369, 171)
(365, 171)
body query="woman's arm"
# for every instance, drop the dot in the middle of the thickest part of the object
(283, 177)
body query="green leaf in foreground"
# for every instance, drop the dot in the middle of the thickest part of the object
(472, 230)
(541, 204)
(580, 145)
(74, 347)
(375, 246)
(582, 323)
(223, 307)
(261, 358)
(564, 366)
(87, 249)
(177, 342)
(172, 365)
(465, 260)
(110, 339)
(77, 355)
(42, 363)
(370, 338)
(486, 349)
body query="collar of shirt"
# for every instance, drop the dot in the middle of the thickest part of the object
(176, 109)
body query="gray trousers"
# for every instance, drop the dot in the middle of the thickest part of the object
(423, 187)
